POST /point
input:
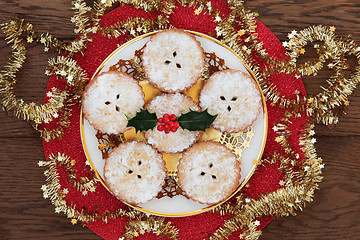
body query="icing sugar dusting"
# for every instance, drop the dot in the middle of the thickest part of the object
(109, 98)
(208, 172)
(135, 172)
(173, 60)
(234, 96)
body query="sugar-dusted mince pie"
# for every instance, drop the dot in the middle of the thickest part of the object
(109, 99)
(171, 103)
(234, 96)
(173, 60)
(134, 172)
(208, 172)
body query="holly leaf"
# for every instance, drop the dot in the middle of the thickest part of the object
(143, 120)
(195, 121)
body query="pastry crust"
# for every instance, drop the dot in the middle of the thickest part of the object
(234, 96)
(135, 172)
(110, 99)
(173, 60)
(208, 172)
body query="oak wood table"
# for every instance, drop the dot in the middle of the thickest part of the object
(335, 211)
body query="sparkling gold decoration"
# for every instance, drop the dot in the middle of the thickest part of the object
(241, 32)
(28, 111)
(132, 66)
(328, 105)
(84, 184)
(54, 191)
(69, 71)
(108, 142)
(237, 142)
(299, 189)
(150, 224)
(251, 232)
(59, 100)
(63, 120)
(171, 187)
(131, 26)
(238, 31)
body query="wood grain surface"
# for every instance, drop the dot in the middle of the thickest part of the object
(335, 211)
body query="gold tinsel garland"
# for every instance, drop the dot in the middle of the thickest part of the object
(63, 123)
(150, 224)
(56, 193)
(28, 111)
(324, 107)
(238, 31)
(58, 99)
(69, 71)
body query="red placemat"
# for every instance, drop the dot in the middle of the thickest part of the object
(72, 186)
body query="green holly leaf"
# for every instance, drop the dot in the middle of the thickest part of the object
(143, 120)
(195, 121)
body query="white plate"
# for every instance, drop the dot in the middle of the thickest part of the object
(179, 205)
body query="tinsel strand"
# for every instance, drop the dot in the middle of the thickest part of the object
(150, 224)
(53, 190)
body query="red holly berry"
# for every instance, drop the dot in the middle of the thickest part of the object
(168, 123)
(172, 117)
(160, 127)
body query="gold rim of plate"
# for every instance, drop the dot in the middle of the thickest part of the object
(185, 214)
